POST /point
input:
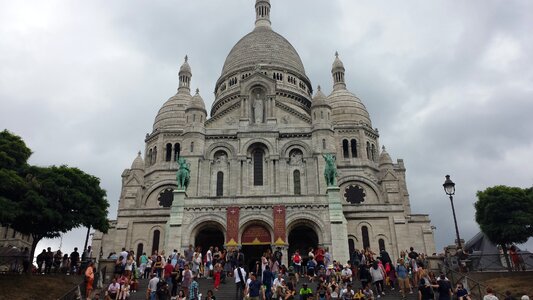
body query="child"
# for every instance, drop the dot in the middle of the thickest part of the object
(369, 294)
(124, 291)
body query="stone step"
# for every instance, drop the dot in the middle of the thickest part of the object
(227, 291)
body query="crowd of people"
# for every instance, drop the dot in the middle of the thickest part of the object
(57, 262)
(366, 276)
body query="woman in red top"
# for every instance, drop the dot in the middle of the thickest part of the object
(89, 276)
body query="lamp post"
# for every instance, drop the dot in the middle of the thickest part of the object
(449, 188)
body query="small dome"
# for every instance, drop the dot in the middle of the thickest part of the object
(347, 109)
(384, 158)
(138, 162)
(172, 113)
(337, 63)
(185, 68)
(197, 101)
(319, 98)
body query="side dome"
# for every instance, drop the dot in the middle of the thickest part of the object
(319, 99)
(172, 113)
(266, 47)
(384, 159)
(347, 109)
(197, 101)
(138, 162)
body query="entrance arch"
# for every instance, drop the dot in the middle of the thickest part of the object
(255, 240)
(302, 237)
(209, 235)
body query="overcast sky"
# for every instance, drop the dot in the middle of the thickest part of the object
(449, 84)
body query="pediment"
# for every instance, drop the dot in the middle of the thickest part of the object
(133, 180)
(390, 176)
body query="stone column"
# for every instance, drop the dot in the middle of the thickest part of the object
(339, 230)
(174, 225)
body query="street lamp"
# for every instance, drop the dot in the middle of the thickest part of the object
(449, 188)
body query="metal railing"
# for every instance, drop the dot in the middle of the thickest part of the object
(475, 289)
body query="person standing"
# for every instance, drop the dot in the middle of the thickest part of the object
(40, 261)
(377, 278)
(239, 274)
(48, 261)
(187, 276)
(152, 286)
(167, 273)
(445, 288)
(254, 288)
(194, 289)
(74, 261)
(189, 255)
(218, 273)
(403, 280)
(89, 277)
(144, 261)
(26, 260)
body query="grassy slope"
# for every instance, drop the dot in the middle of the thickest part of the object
(36, 287)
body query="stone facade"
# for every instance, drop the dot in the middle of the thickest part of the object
(260, 153)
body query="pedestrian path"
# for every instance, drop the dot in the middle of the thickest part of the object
(227, 291)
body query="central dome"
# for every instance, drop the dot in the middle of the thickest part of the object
(265, 47)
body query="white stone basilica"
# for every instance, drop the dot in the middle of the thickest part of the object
(257, 170)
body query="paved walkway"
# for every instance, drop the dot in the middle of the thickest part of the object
(227, 291)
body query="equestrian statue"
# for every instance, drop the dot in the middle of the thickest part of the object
(183, 176)
(330, 172)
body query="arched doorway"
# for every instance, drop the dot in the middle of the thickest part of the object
(255, 240)
(302, 237)
(209, 236)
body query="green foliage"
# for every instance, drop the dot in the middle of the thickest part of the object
(46, 201)
(505, 214)
(13, 161)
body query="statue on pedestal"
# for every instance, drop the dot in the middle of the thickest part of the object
(183, 176)
(330, 172)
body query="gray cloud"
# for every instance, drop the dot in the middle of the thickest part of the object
(447, 83)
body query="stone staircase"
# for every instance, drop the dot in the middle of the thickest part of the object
(227, 290)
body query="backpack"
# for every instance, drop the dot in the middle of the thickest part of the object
(296, 258)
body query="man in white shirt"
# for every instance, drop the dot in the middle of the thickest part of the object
(113, 289)
(277, 282)
(124, 255)
(209, 262)
(240, 281)
(152, 286)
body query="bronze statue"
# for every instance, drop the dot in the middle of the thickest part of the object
(330, 172)
(183, 176)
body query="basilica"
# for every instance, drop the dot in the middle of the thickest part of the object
(257, 165)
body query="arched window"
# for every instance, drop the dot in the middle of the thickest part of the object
(177, 149)
(194, 117)
(168, 154)
(351, 246)
(323, 143)
(366, 240)
(297, 185)
(192, 147)
(220, 184)
(149, 158)
(345, 150)
(373, 152)
(368, 154)
(140, 249)
(155, 240)
(258, 166)
(381, 244)
(354, 147)
(154, 158)
(321, 115)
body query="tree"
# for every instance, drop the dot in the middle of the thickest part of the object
(505, 215)
(13, 161)
(49, 201)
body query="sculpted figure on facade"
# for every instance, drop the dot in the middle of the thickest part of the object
(183, 175)
(258, 109)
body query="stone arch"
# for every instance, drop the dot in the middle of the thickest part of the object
(136, 243)
(254, 221)
(254, 218)
(206, 225)
(162, 184)
(213, 148)
(386, 241)
(247, 149)
(311, 220)
(305, 148)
